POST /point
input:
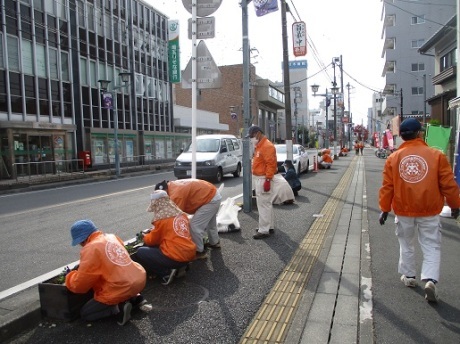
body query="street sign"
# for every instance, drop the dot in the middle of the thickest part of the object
(204, 8)
(205, 28)
(207, 73)
(299, 38)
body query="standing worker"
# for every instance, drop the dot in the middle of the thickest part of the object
(417, 179)
(264, 167)
(202, 200)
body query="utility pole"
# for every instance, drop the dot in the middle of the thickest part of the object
(286, 81)
(350, 123)
(247, 173)
(336, 156)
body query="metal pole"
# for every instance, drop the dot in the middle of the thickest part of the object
(247, 173)
(326, 138)
(350, 123)
(115, 134)
(335, 117)
(424, 99)
(194, 88)
(287, 91)
(401, 116)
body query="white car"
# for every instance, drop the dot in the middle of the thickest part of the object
(300, 158)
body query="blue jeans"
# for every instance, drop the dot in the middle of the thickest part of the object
(155, 262)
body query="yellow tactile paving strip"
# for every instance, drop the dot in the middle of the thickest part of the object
(272, 321)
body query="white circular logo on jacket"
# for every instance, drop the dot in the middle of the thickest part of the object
(181, 226)
(413, 168)
(117, 254)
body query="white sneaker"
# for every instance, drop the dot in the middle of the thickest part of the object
(431, 292)
(409, 282)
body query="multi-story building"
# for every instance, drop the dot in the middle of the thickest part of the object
(407, 25)
(53, 53)
(264, 101)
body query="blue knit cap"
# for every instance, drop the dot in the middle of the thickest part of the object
(81, 230)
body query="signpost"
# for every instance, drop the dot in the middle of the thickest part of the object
(205, 27)
(209, 73)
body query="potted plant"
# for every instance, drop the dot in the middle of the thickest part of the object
(58, 302)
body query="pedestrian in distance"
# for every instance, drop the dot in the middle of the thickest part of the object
(106, 268)
(168, 245)
(361, 147)
(291, 177)
(264, 167)
(356, 147)
(202, 200)
(417, 180)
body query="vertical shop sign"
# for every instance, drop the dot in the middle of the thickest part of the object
(173, 51)
(299, 38)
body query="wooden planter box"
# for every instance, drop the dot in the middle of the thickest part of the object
(58, 302)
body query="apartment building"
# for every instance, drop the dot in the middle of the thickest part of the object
(407, 25)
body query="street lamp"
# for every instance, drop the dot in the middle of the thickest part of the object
(125, 76)
(315, 88)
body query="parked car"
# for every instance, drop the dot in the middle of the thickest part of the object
(216, 155)
(300, 158)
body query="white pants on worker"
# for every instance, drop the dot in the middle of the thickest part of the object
(264, 205)
(204, 220)
(428, 230)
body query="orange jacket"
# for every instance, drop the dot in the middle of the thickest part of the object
(264, 161)
(173, 237)
(191, 194)
(416, 179)
(326, 158)
(107, 268)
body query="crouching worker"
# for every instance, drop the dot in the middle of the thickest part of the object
(325, 160)
(168, 246)
(343, 151)
(291, 177)
(106, 267)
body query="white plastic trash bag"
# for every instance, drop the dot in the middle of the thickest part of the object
(227, 216)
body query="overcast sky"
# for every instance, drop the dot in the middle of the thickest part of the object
(334, 27)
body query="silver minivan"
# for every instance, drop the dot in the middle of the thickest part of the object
(216, 155)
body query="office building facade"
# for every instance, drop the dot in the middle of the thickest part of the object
(53, 54)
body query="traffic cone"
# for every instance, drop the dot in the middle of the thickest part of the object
(315, 163)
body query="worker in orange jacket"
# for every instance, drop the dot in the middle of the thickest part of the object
(417, 180)
(168, 245)
(325, 160)
(106, 268)
(264, 167)
(202, 200)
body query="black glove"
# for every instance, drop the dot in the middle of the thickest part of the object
(383, 217)
(455, 212)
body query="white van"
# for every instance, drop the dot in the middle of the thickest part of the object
(216, 155)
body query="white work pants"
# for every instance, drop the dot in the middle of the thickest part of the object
(264, 205)
(428, 230)
(204, 220)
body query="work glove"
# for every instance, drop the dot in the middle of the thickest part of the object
(267, 185)
(383, 217)
(455, 212)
